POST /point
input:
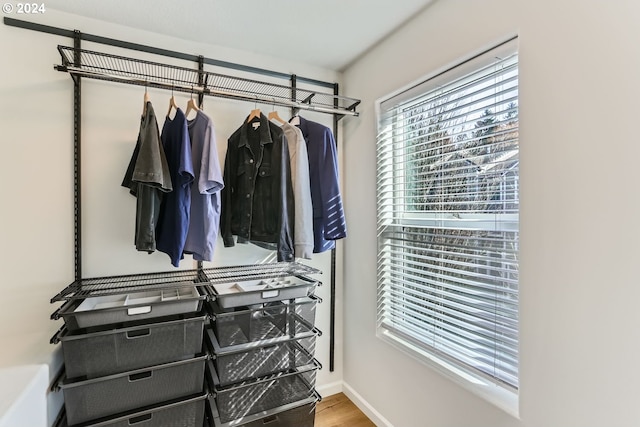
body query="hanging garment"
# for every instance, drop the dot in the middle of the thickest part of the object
(328, 215)
(147, 178)
(257, 201)
(173, 222)
(205, 191)
(303, 218)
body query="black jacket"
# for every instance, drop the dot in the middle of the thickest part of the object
(257, 200)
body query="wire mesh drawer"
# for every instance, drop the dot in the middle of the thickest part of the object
(302, 416)
(270, 321)
(106, 396)
(189, 412)
(245, 361)
(297, 414)
(109, 352)
(253, 397)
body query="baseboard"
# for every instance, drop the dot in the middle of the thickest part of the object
(365, 407)
(330, 389)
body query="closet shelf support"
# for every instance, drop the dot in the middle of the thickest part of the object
(77, 158)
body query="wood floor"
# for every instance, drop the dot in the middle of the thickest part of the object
(339, 411)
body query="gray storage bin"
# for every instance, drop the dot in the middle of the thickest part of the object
(249, 292)
(298, 414)
(109, 352)
(107, 396)
(240, 400)
(246, 361)
(123, 308)
(270, 321)
(184, 413)
(302, 416)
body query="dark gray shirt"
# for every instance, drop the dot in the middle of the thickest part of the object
(147, 177)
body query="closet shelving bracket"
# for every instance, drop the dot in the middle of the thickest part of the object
(115, 68)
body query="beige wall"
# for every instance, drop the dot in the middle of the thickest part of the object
(579, 92)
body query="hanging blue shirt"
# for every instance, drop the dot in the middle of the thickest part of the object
(205, 191)
(173, 222)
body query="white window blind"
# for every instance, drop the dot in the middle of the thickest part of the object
(447, 187)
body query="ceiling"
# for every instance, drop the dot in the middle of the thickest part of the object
(326, 33)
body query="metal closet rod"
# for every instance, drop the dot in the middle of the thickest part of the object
(157, 51)
(205, 91)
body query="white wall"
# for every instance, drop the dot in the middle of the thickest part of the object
(579, 92)
(36, 221)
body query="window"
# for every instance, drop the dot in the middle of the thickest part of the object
(448, 212)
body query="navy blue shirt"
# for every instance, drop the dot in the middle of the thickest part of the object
(173, 223)
(328, 215)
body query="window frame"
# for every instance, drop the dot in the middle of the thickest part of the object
(493, 391)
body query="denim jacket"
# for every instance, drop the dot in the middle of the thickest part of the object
(257, 200)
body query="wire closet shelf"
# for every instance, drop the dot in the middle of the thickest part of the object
(115, 68)
(115, 285)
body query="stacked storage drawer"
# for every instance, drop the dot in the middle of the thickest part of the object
(262, 341)
(134, 357)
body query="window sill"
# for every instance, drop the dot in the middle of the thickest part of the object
(498, 396)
